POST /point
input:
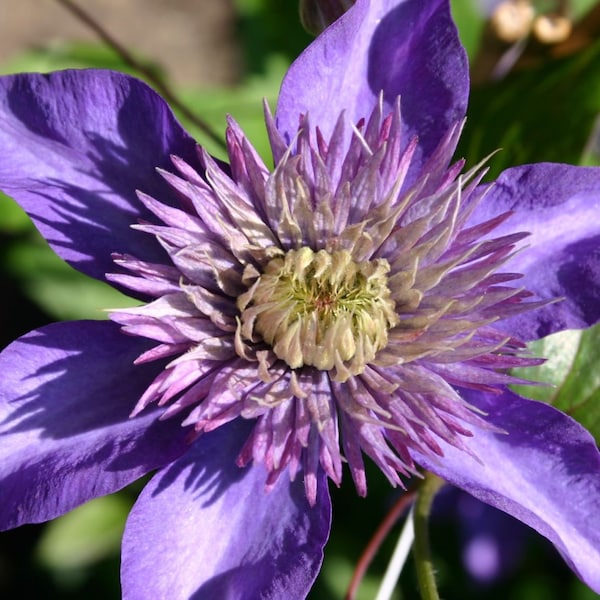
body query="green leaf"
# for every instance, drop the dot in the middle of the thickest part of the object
(13, 219)
(559, 350)
(60, 290)
(573, 372)
(71, 55)
(244, 103)
(337, 573)
(578, 8)
(85, 535)
(267, 28)
(579, 395)
(469, 19)
(545, 113)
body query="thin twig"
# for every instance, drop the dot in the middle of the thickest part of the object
(375, 542)
(138, 66)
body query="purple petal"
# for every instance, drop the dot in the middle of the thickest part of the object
(545, 472)
(204, 528)
(559, 205)
(74, 147)
(65, 435)
(406, 48)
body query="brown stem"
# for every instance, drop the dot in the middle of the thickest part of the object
(375, 542)
(138, 66)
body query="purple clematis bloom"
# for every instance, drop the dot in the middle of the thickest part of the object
(360, 298)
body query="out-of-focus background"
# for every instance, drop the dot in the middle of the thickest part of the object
(536, 100)
(195, 41)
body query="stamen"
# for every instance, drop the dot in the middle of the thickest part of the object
(320, 308)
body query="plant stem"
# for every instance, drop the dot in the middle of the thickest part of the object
(375, 542)
(128, 58)
(421, 549)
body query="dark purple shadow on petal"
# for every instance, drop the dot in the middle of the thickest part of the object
(558, 205)
(404, 48)
(207, 488)
(77, 179)
(55, 406)
(537, 426)
(237, 583)
(65, 431)
(428, 70)
(579, 275)
(208, 478)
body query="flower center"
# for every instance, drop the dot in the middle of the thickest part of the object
(321, 309)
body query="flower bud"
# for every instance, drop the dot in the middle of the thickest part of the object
(552, 28)
(512, 19)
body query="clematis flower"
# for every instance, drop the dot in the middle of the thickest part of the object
(362, 297)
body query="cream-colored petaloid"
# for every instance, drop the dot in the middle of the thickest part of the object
(320, 309)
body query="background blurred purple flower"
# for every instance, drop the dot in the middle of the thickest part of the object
(402, 356)
(492, 542)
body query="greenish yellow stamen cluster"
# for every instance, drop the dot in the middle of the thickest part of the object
(321, 309)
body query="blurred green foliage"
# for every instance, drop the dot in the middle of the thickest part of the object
(546, 113)
(84, 536)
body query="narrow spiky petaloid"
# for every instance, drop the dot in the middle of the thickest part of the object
(340, 300)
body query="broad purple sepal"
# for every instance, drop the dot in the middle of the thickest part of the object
(65, 432)
(545, 471)
(365, 130)
(559, 206)
(204, 528)
(406, 48)
(74, 148)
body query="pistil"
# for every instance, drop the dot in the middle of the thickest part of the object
(320, 309)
